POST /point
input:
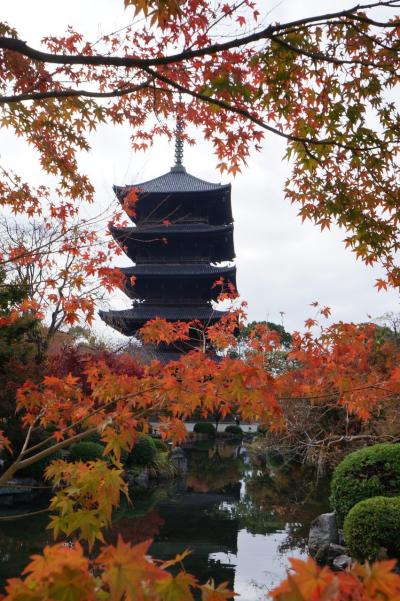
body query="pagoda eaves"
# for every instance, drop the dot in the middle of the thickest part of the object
(185, 283)
(178, 196)
(128, 321)
(177, 243)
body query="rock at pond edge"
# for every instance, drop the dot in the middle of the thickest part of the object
(342, 562)
(323, 531)
(328, 553)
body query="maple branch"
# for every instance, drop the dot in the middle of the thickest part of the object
(69, 93)
(376, 386)
(350, 13)
(90, 415)
(349, 438)
(311, 155)
(19, 516)
(320, 56)
(21, 463)
(353, 13)
(247, 115)
(27, 439)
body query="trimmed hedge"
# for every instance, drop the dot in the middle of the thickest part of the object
(205, 428)
(369, 472)
(372, 524)
(93, 437)
(36, 470)
(236, 430)
(86, 451)
(144, 451)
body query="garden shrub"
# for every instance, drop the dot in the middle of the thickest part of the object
(369, 472)
(236, 430)
(93, 437)
(162, 467)
(86, 451)
(205, 428)
(37, 469)
(372, 524)
(144, 451)
(160, 445)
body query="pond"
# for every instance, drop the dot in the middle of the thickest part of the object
(242, 522)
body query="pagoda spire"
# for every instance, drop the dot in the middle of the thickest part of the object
(178, 143)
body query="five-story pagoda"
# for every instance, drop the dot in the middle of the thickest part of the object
(183, 233)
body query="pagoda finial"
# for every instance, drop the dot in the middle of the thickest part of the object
(178, 142)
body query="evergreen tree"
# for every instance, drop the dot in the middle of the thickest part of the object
(17, 354)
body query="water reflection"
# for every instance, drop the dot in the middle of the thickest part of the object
(240, 520)
(18, 541)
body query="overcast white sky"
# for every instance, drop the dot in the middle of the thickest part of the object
(282, 264)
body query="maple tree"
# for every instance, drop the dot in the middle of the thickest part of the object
(327, 419)
(70, 356)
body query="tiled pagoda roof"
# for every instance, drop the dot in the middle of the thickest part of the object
(175, 181)
(146, 312)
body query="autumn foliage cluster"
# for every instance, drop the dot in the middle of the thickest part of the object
(362, 583)
(126, 572)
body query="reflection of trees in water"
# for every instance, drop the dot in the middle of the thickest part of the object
(138, 519)
(292, 494)
(254, 518)
(189, 524)
(178, 516)
(204, 513)
(20, 539)
(275, 498)
(215, 471)
(213, 506)
(215, 467)
(136, 529)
